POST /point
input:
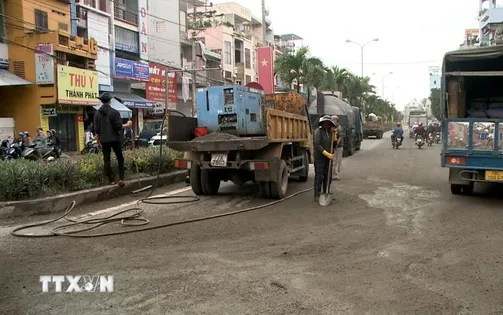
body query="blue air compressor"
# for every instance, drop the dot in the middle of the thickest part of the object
(233, 109)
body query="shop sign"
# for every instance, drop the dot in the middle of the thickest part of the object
(131, 70)
(143, 26)
(77, 86)
(44, 64)
(49, 112)
(156, 86)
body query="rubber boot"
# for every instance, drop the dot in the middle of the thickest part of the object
(317, 192)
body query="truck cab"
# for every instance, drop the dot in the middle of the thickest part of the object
(472, 108)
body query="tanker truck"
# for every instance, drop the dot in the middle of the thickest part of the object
(328, 103)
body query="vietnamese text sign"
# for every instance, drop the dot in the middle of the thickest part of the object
(44, 64)
(77, 86)
(156, 87)
(131, 70)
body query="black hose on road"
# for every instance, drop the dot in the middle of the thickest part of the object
(132, 216)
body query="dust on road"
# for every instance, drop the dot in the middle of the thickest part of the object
(394, 241)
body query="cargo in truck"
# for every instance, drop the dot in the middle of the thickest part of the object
(241, 135)
(472, 112)
(373, 126)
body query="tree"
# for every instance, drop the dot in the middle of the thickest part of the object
(300, 67)
(310, 71)
(435, 96)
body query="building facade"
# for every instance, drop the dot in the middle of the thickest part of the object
(490, 23)
(471, 38)
(57, 65)
(435, 77)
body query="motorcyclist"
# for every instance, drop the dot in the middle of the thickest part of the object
(430, 129)
(420, 130)
(40, 138)
(414, 126)
(437, 128)
(397, 132)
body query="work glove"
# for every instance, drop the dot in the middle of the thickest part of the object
(330, 156)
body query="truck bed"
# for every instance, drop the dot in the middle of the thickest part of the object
(281, 127)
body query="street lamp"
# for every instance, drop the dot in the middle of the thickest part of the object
(362, 47)
(382, 81)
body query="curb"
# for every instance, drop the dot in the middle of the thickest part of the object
(59, 203)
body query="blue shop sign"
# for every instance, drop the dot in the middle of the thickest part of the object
(131, 70)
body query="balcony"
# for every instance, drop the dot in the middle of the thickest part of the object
(491, 16)
(64, 42)
(125, 14)
(90, 3)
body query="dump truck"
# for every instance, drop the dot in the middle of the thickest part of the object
(472, 117)
(417, 116)
(328, 103)
(373, 126)
(241, 135)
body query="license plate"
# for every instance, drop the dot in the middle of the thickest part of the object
(494, 175)
(218, 159)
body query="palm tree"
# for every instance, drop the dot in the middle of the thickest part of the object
(301, 68)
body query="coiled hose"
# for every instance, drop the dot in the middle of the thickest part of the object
(132, 217)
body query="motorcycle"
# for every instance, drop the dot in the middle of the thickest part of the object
(419, 141)
(437, 138)
(91, 147)
(397, 142)
(430, 140)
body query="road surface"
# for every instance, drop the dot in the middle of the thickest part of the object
(394, 241)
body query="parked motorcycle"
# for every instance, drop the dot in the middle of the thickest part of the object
(397, 142)
(437, 138)
(419, 141)
(91, 148)
(430, 140)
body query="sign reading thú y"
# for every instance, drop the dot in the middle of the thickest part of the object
(77, 86)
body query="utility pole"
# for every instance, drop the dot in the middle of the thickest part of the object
(194, 60)
(264, 24)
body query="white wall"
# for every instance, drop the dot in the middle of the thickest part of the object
(164, 37)
(98, 28)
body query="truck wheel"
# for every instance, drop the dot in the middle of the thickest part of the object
(351, 148)
(265, 189)
(210, 183)
(195, 180)
(280, 186)
(304, 173)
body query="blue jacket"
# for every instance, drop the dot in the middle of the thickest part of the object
(398, 131)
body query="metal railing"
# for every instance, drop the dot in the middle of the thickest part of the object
(125, 15)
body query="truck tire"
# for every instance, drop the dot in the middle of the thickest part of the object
(304, 173)
(351, 149)
(265, 189)
(280, 186)
(195, 180)
(210, 183)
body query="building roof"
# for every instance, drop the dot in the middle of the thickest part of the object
(290, 37)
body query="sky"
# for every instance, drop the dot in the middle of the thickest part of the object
(413, 35)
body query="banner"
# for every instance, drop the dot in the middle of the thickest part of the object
(131, 70)
(77, 86)
(266, 68)
(156, 87)
(44, 64)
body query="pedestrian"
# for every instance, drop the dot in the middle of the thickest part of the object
(323, 138)
(108, 128)
(336, 166)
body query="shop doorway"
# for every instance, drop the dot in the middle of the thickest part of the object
(66, 127)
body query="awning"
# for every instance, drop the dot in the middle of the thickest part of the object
(132, 100)
(10, 79)
(123, 110)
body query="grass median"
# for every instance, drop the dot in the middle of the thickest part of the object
(23, 179)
